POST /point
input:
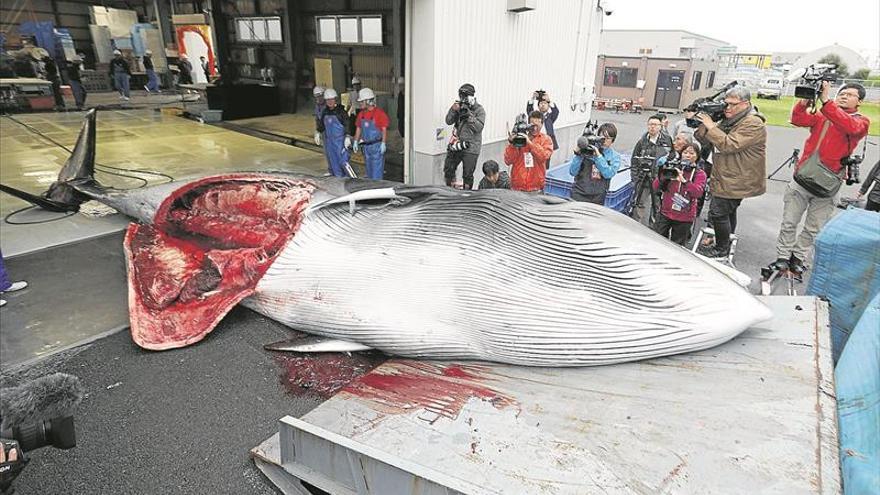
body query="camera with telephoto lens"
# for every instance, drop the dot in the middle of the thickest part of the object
(812, 78)
(589, 143)
(852, 168)
(713, 106)
(520, 130)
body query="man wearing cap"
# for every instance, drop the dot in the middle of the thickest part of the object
(353, 108)
(318, 95)
(333, 125)
(467, 118)
(152, 80)
(120, 72)
(371, 134)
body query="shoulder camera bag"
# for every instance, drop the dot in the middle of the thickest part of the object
(816, 177)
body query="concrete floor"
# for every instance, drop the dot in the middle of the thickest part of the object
(139, 139)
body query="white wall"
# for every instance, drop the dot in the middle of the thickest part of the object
(505, 56)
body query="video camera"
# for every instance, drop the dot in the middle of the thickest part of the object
(520, 130)
(812, 77)
(713, 106)
(589, 142)
(670, 168)
(34, 415)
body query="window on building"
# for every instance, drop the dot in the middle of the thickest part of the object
(349, 30)
(698, 78)
(710, 79)
(258, 29)
(646, 51)
(621, 76)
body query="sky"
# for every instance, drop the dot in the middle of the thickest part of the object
(759, 25)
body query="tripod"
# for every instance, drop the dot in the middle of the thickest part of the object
(643, 181)
(788, 162)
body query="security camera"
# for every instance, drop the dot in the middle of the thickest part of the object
(607, 6)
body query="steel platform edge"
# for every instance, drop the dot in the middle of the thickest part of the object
(757, 414)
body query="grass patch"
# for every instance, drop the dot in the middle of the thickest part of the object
(779, 111)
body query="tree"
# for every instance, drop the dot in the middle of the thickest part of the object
(862, 73)
(833, 58)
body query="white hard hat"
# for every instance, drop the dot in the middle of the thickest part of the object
(366, 94)
(317, 91)
(117, 52)
(330, 94)
(355, 80)
(148, 52)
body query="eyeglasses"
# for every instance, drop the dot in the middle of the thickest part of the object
(732, 103)
(849, 94)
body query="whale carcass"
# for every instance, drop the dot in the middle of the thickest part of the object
(423, 272)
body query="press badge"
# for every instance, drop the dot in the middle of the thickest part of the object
(530, 162)
(679, 202)
(595, 174)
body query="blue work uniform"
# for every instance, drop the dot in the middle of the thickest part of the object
(333, 124)
(371, 123)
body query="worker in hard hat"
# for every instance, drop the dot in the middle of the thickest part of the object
(353, 106)
(333, 125)
(318, 95)
(371, 134)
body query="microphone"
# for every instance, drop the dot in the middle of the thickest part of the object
(39, 400)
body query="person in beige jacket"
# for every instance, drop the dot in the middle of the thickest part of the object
(739, 144)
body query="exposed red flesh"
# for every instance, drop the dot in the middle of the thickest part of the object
(209, 245)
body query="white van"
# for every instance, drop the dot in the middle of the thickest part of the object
(770, 88)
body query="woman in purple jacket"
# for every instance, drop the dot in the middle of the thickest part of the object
(680, 195)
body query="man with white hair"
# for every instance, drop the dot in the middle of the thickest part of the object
(120, 72)
(739, 162)
(152, 79)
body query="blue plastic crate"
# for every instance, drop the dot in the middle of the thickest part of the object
(558, 182)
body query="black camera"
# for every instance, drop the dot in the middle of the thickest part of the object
(520, 131)
(670, 168)
(713, 106)
(852, 168)
(813, 77)
(589, 143)
(57, 432)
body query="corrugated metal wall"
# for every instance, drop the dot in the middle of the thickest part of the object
(506, 56)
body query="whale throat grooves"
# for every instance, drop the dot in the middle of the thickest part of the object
(209, 244)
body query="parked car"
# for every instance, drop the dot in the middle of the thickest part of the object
(770, 88)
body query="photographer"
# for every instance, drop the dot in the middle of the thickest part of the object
(835, 131)
(468, 117)
(681, 182)
(872, 202)
(493, 178)
(527, 154)
(593, 166)
(739, 140)
(549, 111)
(651, 146)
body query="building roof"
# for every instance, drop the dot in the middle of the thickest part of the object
(663, 31)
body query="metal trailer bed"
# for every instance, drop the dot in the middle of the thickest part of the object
(755, 415)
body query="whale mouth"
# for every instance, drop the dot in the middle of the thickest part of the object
(210, 243)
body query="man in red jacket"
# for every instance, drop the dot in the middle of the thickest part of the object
(529, 162)
(843, 128)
